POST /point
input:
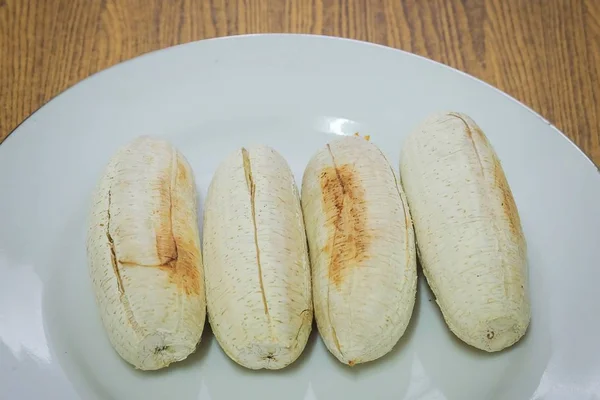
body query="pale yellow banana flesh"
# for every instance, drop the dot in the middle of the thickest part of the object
(256, 260)
(144, 255)
(468, 231)
(362, 250)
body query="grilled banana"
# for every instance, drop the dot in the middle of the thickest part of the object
(144, 255)
(362, 250)
(468, 231)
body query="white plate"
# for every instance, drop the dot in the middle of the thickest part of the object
(293, 93)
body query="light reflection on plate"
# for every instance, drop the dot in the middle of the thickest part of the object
(21, 328)
(339, 126)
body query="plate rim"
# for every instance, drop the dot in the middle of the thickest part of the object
(332, 38)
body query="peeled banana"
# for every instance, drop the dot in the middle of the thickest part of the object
(144, 255)
(256, 260)
(362, 249)
(469, 236)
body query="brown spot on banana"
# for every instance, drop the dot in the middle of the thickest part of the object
(508, 204)
(479, 139)
(172, 228)
(185, 273)
(166, 248)
(343, 204)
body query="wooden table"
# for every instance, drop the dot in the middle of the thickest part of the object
(546, 53)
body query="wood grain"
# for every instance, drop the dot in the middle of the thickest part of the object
(545, 53)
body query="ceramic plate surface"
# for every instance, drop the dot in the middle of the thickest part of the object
(293, 93)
